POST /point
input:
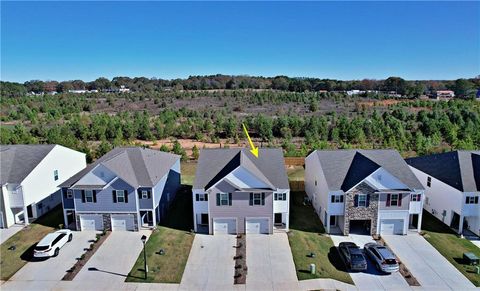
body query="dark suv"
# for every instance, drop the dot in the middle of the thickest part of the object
(352, 256)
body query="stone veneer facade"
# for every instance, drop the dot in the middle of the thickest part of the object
(107, 220)
(361, 213)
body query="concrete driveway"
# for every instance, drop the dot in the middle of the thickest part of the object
(114, 259)
(210, 265)
(430, 268)
(53, 269)
(6, 233)
(371, 279)
(270, 263)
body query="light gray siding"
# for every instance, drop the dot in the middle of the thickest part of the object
(405, 202)
(240, 208)
(105, 199)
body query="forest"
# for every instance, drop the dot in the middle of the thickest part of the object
(296, 121)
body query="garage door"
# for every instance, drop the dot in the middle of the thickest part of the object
(91, 222)
(122, 223)
(225, 226)
(391, 226)
(256, 225)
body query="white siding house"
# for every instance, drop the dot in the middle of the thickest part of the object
(30, 175)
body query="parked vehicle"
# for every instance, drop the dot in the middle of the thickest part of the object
(352, 256)
(51, 244)
(382, 257)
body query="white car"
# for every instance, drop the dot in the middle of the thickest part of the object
(382, 257)
(51, 244)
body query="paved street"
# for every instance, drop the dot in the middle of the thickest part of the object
(53, 269)
(6, 233)
(210, 265)
(270, 262)
(430, 268)
(371, 279)
(114, 259)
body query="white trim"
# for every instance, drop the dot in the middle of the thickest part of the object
(270, 227)
(111, 212)
(110, 183)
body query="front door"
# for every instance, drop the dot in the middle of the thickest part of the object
(278, 218)
(333, 220)
(204, 219)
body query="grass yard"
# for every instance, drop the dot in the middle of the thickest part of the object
(307, 235)
(188, 172)
(450, 245)
(174, 236)
(25, 240)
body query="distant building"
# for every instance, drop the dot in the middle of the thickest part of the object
(355, 92)
(444, 94)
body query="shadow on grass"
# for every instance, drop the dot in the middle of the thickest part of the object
(303, 216)
(336, 260)
(431, 223)
(28, 254)
(51, 219)
(93, 269)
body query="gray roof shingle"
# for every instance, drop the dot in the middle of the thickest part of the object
(17, 161)
(214, 164)
(135, 165)
(345, 168)
(459, 169)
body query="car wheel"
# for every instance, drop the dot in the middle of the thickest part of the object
(70, 237)
(57, 250)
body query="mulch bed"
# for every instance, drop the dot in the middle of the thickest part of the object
(411, 280)
(82, 261)
(240, 258)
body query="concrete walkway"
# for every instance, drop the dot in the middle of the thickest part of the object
(6, 233)
(430, 268)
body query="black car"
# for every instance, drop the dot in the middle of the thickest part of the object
(352, 256)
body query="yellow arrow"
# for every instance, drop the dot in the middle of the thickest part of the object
(253, 149)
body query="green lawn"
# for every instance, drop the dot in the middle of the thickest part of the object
(174, 236)
(188, 172)
(25, 240)
(450, 245)
(307, 235)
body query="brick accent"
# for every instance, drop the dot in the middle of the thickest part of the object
(361, 213)
(107, 221)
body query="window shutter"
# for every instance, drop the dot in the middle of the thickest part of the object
(399, 199)
(466, 200)
(419, 197)
(149, 194)
(197, 197)
(332, 198)
(126, 195)
(205, 196)
(83, 196)
(388, 200)
(355, 200)
(284, 196)
(476, 199)
(139, 192)
(341, 198)
(114, 196)
(251, 199)
(94, 196)
(263, 198)
(368, 200)
(218, 199)
(275, 196)
(230, 199)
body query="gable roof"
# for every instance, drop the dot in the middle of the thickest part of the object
(459, 169)
(343, 169)
(215, 164)
(135, 165)
(19, 160)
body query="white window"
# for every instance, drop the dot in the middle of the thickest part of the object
(394, 200)
(280, 196)
(471, 200)
(55, 175)
(416, 197)
(337, 199)
(89, 195)
(429, 181)
(69, 194)
(257, 199)
(427, 201)
(120, 195)
(144, 194)
(223, 199)
(362, 200)
(202, 197)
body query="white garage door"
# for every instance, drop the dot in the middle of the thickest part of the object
(256, 225)
(225, 226)
(91, 222)
(122, 222)
(391, 226)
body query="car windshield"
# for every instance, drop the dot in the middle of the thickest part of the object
(41, 248)
(391, 262)
(357, 257)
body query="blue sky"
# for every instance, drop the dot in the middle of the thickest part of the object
(343, 40)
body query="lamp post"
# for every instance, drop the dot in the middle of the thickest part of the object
(144, 239)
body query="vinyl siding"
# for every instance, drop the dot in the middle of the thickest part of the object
(405, 202)
(67, 203)
(169, 191)
(145, 203)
